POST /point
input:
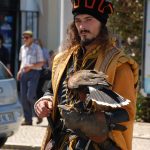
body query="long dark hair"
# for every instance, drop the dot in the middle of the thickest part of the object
(73, 38)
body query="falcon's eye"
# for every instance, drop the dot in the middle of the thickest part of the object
(93, 71)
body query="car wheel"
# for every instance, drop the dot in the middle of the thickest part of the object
(2, 141)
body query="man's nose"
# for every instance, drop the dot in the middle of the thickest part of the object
(82, 25)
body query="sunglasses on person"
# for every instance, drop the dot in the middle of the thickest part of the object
(26, 37)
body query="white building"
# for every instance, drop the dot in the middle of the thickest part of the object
(48, 19)
(53, 18)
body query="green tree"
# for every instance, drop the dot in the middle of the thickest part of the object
(127, 22)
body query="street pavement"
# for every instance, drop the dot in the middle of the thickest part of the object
(30, 137)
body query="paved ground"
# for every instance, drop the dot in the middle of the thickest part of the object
(141, 140)
(27, 137)
(30, 137)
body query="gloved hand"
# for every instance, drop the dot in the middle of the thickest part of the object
(91, 124)
(116, 116)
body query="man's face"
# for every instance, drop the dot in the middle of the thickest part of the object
(27, 39)
(88, 28)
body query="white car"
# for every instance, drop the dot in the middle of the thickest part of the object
(11, 112)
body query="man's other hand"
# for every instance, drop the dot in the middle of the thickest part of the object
(43, 107)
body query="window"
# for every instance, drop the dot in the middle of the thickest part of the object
(4, 74)
(30, 22)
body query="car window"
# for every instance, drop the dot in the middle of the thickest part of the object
(4, 74)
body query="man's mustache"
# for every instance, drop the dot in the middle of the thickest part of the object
(84, 31)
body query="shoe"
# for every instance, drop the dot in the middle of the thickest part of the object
(39, 120)
(26, 123)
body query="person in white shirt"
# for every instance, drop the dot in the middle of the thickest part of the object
(32, 60)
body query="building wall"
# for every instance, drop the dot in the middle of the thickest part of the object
(54, 17)
(43, 25)
(53, 22)
(66, 17)
(49, 22)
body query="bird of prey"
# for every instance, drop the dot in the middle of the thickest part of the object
(95, 107)
(98, 89)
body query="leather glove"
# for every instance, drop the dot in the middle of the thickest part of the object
(116, 116)
(91, 124)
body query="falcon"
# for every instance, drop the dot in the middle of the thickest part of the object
(99, 92)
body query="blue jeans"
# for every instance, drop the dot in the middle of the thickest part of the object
(28, 87)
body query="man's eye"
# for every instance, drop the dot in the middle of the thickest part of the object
(77, 21)
(89, 19)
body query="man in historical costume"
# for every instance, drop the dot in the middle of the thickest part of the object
(89, 47)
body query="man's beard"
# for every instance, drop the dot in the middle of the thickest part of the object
(86, 42)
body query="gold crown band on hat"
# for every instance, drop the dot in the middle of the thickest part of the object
(111, 8)
(90, 4)
(100, 9)
(75, 3)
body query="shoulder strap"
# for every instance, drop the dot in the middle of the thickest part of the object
(109, 65)
(108, 59)
(102, 65)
